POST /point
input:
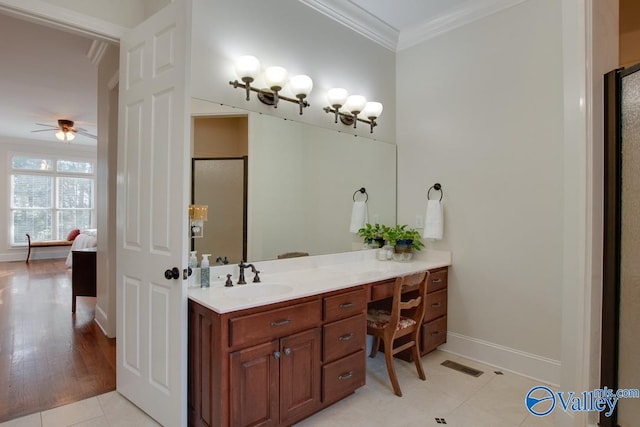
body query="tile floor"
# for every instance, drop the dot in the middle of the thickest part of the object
(489, 400)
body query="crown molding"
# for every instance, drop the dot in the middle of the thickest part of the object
(357, 19)
(44, 13)
(471, 11)
(96, 51)
(366, 24)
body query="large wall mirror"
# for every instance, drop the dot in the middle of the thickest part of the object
(290, 184)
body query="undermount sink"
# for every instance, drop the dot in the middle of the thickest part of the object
(257, 290)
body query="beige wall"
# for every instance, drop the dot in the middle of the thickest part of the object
(106, 189)
(304, 41)
(487, 123)
(629, 32)
(219, 137)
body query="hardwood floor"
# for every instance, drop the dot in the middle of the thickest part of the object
(48, 355)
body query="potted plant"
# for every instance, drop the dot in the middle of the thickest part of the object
(373, 234)
(404, 240)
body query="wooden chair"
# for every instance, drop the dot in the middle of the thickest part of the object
(404, 320)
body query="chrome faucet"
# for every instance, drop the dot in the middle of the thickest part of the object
(242, 266)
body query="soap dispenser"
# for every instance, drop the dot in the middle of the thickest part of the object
(193, 264)
(204, 271)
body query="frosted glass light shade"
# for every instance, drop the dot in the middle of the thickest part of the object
(355, 103)
(372, 110)
(247, 67)
(300, 85)
(65, 136)
(337, 96)
(275, 77)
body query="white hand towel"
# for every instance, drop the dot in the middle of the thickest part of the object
(434, 221)
(359, 216)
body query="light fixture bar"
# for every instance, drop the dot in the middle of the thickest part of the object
(349, 119)
(268, 97)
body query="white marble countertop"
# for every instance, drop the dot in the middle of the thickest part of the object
(288, 279)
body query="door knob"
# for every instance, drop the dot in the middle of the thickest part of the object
(174, 273)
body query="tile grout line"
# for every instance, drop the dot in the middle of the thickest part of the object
(472, 395)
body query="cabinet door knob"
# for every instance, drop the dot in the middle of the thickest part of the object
(276, 354)
(287, 351)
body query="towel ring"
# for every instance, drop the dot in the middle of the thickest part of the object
(436, 187)
(363, 191)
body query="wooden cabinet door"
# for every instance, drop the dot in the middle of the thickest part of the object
(300, 375)
(254, 385)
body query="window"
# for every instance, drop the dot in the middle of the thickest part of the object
(50, 197)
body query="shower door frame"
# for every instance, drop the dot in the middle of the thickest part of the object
(610, 331)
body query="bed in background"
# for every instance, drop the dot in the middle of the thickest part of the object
(86, 239)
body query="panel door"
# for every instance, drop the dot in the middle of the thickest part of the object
(300, 375)
(152, 200)
(254, 385)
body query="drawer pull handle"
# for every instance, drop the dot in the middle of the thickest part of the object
(346, 337)
(435, 333)
(436, 305)
(345, 376)
(281, 322)
(437, 280)
(347, 305)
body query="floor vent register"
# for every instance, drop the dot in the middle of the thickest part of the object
(462, 368)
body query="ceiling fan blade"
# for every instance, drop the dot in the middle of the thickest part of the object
(85, 133)
(44, 130)
(43, 124)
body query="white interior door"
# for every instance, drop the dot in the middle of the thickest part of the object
(153, 183)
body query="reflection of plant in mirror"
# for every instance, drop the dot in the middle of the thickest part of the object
(373, 234)
(400, 233)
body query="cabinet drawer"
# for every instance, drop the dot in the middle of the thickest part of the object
(343, 376)
(382, 290)
(437, 280)
(436, 305)
(344, 337)
(345, 305)
(434, 333)
(258, 327)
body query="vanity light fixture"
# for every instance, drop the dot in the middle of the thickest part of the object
(197, 216)
(248, 69)
(348, 108)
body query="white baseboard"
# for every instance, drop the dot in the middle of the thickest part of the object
(36, 254)
(100, 318)
(527, 364)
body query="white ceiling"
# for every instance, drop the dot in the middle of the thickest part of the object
(48, 74)
(45, 75)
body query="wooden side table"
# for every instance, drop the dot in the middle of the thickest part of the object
(83, 274)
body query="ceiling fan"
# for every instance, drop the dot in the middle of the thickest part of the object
(65, 131)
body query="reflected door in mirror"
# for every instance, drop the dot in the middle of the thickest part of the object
(221, 184)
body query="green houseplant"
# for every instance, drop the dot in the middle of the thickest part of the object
(373, 234)
(403, 240)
